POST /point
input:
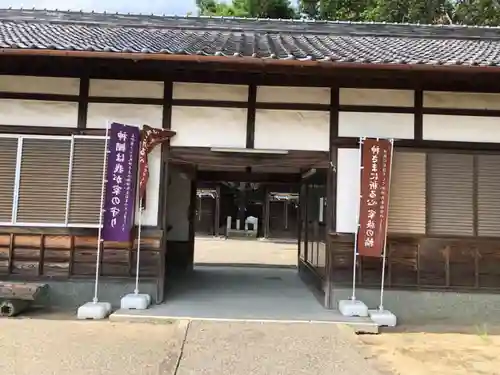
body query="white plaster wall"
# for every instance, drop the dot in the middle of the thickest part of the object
(463, 100)
(39, 113)
(376, 97)
(126, 89)
(150, 214)
(461, 128)
(132, 114)
(292, 130)
(210, 91)
(40, 85)
(178, 197)
(307, 95)
(209, 127)
(381, 125)
(348, 189)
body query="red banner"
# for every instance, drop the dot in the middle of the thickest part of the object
(375, 178)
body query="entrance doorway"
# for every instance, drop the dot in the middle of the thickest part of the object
(255, 245)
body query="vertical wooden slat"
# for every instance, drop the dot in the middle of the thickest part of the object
(11, 252)
(418, 131)
(419, 263)
(41, 259)
(447, 271)
(476, 267)
(71, 255)
(83, 101)
(252, 99)
(8, 158)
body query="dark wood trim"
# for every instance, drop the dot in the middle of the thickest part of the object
(461, 112)
(147, 231)
(167, 104)
(430, 146)
(475, 213)
(252, 98)
(41, 255)
(37, 96)
(428, 193)
(216, 176)
(217, 212)
(293, 106)
(418, 127)
(83, 102)
(375, 109)
(208, 103)
(124, 100)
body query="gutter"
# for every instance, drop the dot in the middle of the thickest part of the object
(237, 60)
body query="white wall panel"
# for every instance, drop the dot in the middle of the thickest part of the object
(39, 113)
(40, 85)
(279, 94)
(130, 114)
(461, 100)
(126, 89)
(209, 126)
(348, 189)
(381, 125)
(292, 130)
(210, 91)
(461, 128)
(376, 97)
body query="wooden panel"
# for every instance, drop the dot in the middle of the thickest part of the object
(451, 194)
(461, 264)
(488, 195)
(403, 262)
(407, 194)
(63, 256)
(489, 265)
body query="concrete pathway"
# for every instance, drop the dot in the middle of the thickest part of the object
(217, 348)
(60, 347)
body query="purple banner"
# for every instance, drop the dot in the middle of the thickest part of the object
(121, 181)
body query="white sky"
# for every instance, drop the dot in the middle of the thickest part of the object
(179, 7)
(169, 7)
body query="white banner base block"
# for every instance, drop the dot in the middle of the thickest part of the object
(134, 301)
(383, 318)
(350, 307)
(94, 310)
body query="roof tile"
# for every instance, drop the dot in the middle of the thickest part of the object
(367, 43)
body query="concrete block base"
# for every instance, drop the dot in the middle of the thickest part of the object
(135, 301)
(353, 308)
(383, 318)
(94, 310)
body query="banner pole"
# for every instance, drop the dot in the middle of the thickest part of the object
(355, 260)
(101, 212)
(139, 229)
(384, 253)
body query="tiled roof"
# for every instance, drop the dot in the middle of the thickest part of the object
(367, 43)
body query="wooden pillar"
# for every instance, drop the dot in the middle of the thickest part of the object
(331, 197)
(217, 212)
(191, 218)
(266, 212)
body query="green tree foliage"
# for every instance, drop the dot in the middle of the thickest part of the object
(478, 12)
(247, 8)
(468, 12)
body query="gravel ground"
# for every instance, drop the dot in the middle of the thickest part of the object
(222, 348)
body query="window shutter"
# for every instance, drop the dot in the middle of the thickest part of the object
(86, 181)
(407, 194)
(8, 157)
(451, 194)
(488, 195)
(44, 181)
